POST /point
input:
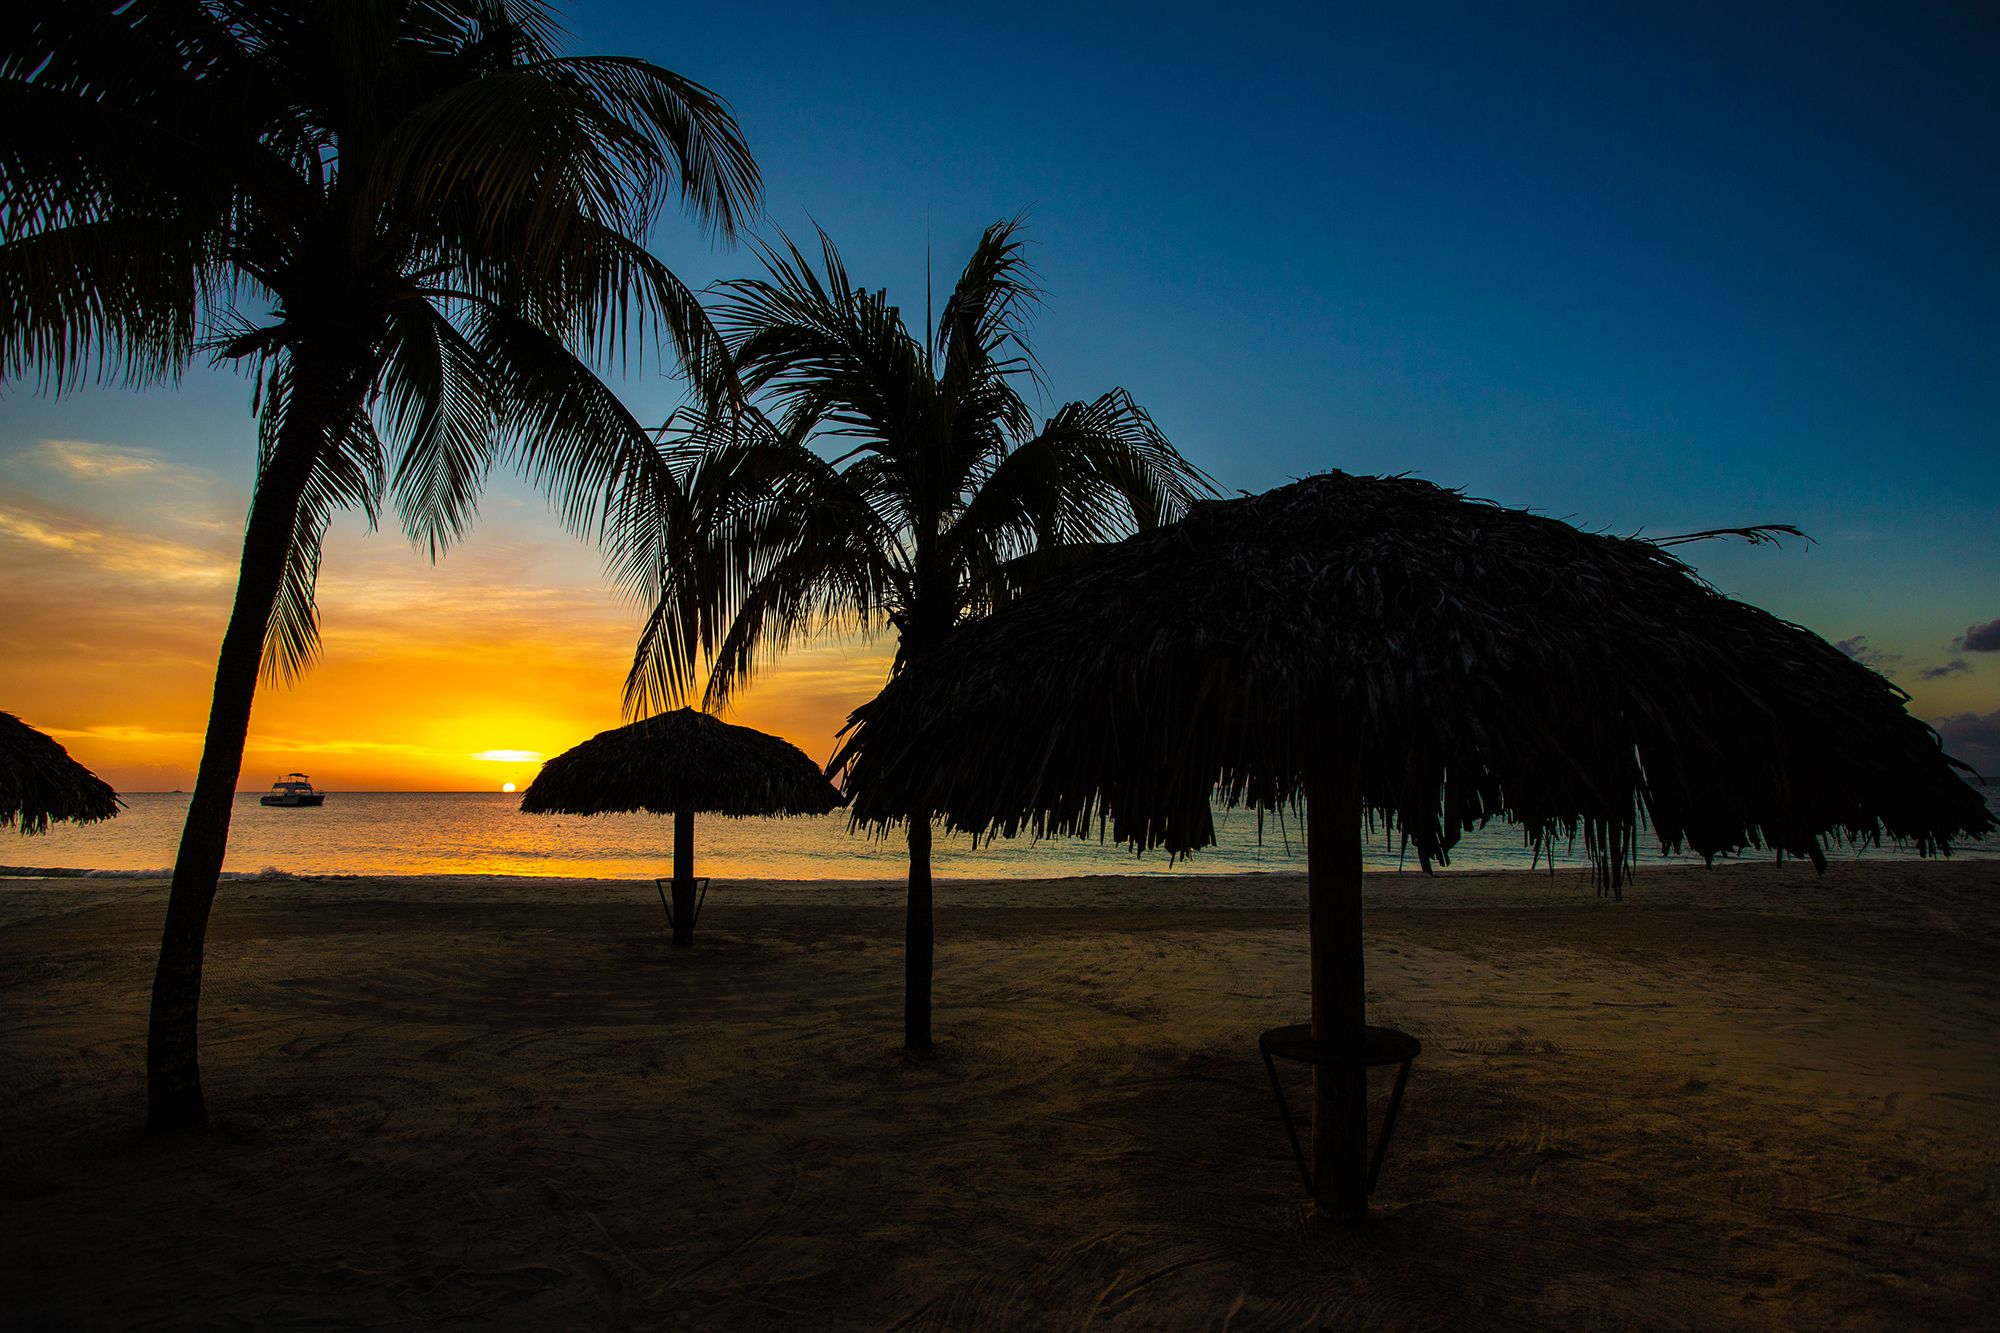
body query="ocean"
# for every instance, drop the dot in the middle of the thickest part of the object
(485, 833)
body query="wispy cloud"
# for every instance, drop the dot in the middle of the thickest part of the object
(112, 548)
(121, 735)
(1973, 738)
(1958, 666)
(130, 514)
(103, 462)
(90, 472)
(1979, 638)
(295, 745)
(1858, 648)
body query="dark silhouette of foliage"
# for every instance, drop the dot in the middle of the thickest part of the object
(681, 763)
(40, 783)
(681, 760)
(941, 497)
(1382, 646)
(416, 223)
(1481, 662)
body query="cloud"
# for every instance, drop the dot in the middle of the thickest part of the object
(94, 461)
(1858, 649)
(1979, 638)
(1973, 738)
(115, 549)
(293, 745)
(1958, 666)
(136, 481)
(133, 519)
(126, 735)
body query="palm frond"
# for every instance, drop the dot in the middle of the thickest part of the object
(437, 401)
(345, 473)
(762, 525)
(823, 351)
(988, 309)
(1762, 534)
(566, 430)
(937, 488)
(541, 148)
(1096, 472)
(689, 132)
(111, 300)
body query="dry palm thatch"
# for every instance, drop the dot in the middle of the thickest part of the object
(1476, 662)
(1383, 645)
(39, 782)
(681, 760)
(680, 763)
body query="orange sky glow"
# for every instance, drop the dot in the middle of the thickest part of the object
(117, 564)
(461, 676)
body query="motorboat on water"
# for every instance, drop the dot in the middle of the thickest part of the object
(293, 789)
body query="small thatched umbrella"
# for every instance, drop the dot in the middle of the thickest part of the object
(679, 763)
(40, 782)
(1384, 646)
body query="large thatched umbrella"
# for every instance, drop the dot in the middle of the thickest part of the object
(40, 782)
(679, 763)
(1384, 646)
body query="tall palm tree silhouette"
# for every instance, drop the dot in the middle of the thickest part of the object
(416, 223)
(937, 494)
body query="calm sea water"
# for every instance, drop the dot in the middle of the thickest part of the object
(485, 833)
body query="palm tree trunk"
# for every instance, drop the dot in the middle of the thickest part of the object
(1339, 991)
(923, 632)
(917, 941)
(173, 1076)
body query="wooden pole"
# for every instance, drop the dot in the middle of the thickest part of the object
(684, 878)
(1339, 990)
(918, 941)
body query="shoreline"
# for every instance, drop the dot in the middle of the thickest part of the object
(1681, 879)
(1645, 870)
(1883, 891)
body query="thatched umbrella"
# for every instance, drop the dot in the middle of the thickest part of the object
(1383, 646)
(40, 782)
(679, 763)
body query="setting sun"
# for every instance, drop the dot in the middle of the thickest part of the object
(506, 786)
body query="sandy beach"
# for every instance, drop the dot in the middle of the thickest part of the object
(1753, 1096)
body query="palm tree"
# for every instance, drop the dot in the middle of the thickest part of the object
(940, 496)
(416, 223)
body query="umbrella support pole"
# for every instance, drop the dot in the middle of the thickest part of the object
(1339, 987)
(682, 914)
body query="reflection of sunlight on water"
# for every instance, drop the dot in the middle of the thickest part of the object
(484, 833)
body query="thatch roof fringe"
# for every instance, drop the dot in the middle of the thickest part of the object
(39, 782)
(1477, 662)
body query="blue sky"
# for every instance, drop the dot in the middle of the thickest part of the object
(1650, 269)
(1656, 271)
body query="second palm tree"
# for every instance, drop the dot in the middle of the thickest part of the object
(884, 480)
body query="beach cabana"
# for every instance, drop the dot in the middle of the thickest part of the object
(681, 763)
(1383, 648)
(39, 782)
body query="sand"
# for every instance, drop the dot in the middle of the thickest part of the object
(1751, 1096)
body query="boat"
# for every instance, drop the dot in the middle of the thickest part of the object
(293, 789)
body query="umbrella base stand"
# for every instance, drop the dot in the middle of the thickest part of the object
(693, 917)
(1380, 1048)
